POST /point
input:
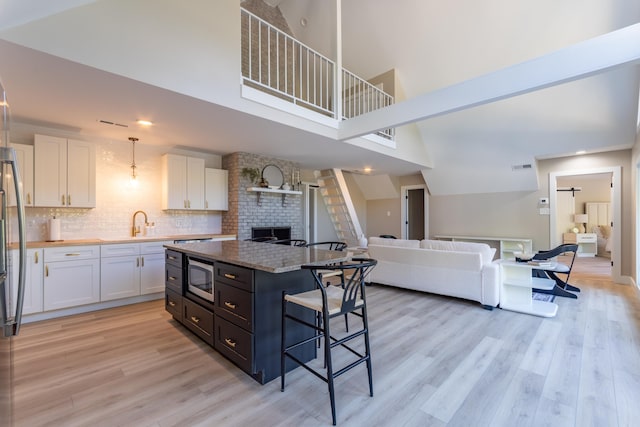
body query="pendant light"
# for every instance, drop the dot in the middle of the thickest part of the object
(134, 177)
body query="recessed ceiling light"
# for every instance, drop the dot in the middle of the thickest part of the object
(367, 170)
(144, 123)
(581, 152)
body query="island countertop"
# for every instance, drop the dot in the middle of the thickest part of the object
(269, 257)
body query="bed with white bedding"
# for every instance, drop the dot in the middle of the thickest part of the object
(603, 233)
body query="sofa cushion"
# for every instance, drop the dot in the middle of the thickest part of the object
(402, 243)
(486, 252)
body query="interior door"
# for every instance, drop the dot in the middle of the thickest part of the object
(565, 211)
(415, 214)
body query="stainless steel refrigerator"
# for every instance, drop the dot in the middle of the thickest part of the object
(11, 297)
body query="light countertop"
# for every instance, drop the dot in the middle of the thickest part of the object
(108, 241)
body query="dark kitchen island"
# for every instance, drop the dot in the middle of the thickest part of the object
(243, 322)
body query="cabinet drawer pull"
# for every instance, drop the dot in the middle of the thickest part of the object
(172, 304)
(195, 319)
(172, 257)
(230, 305)
(172, 279)
(231, 343)
(230, 276)
(72, 254)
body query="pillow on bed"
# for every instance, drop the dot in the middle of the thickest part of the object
(605, 230)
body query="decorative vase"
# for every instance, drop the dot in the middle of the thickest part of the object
(286, 186)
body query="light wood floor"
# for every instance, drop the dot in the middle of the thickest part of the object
(437, 362)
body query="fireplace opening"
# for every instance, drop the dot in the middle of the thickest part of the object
(280, 233)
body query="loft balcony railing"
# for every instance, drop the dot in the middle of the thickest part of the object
(359, 97)
(276, 63)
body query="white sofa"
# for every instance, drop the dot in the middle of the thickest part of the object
(459, 269)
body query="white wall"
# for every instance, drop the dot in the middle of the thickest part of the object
(635, 209)
(516, 214)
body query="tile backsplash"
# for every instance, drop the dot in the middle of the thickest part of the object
(117, 199)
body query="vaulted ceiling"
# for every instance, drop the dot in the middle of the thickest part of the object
(431, 45)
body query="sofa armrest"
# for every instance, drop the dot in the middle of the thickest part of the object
(491, 284)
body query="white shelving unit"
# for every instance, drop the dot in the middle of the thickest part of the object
(284, 193)
(506, 245)
(517, 285)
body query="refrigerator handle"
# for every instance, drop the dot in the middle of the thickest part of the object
(17, 320)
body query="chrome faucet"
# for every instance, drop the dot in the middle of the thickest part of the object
(136, 230)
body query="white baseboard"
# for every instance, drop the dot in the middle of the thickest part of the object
(46, 315)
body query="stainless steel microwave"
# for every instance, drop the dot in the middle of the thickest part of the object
(200, 280)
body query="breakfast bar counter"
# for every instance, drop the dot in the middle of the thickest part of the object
(272, 258)
(230, 295)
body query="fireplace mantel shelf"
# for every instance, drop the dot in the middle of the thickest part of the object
(260, 190)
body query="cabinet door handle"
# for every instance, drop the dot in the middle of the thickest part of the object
(63, 200)
(28, 198)
(142, 261)
(230, 276)
(137, 262)
(35, 258)
(68, 199)
(206, 204)
(195, 319)
(172, 304)
(46, 271)
(185, 204)
(231, 343)
(230, 305)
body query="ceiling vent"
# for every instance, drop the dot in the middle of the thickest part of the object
(107, 122)
(521, 167)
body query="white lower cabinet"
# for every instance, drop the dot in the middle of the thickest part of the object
(33, 300)
(131, 269)
(71, 276)
(119, 277)
(152, 273)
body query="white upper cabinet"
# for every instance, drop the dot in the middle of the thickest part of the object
(65, 173)
(24, 156)
(216, 189)
(195, 183)
(182, 182)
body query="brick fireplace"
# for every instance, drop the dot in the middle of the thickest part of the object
(244, 212)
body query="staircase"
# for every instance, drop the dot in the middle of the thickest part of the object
(335, 193)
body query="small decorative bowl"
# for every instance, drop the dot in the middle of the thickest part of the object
(523, 256)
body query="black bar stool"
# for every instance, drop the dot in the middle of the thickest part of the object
(331, 301)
